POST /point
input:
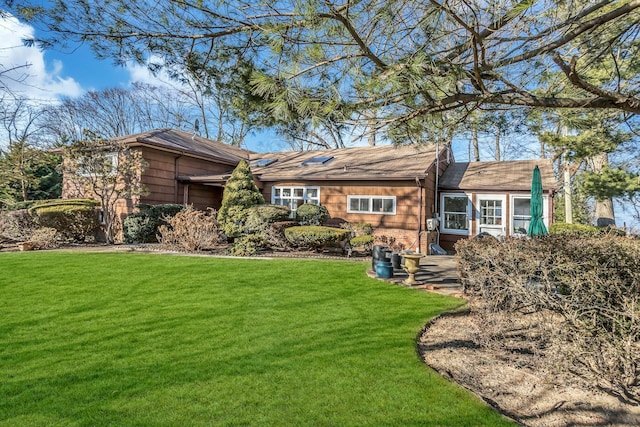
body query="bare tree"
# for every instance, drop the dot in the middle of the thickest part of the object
(107, 170)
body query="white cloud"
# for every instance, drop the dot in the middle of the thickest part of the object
(140, 74)
(24, 70)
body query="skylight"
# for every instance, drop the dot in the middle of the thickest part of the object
(317, 161)
(263, 162)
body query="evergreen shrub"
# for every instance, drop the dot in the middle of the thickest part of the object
(74, 219)
(142, 226)
(261, 216)
(310, 214)
(240, 193)
(315, 236)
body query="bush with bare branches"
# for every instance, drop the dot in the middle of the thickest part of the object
(191, 229)
(584, 292)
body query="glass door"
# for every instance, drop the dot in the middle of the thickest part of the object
(491, 215)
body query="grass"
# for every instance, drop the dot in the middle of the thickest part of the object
(157, 340)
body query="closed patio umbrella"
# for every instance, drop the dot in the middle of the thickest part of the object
(536, 226)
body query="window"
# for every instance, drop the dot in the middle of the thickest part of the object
(292, 197)
(455, 213)
(521, 214)
(491, 212)
(98, 165)
(317, 161)
(383, 205)
(263, 162)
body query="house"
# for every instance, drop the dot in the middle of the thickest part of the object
(415, 195)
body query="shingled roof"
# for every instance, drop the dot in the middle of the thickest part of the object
(187, 144)
(497, 176)
(358, 163)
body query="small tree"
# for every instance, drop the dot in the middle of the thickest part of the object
(105, 169)
(240, 193)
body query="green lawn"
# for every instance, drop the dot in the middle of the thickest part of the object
(160, 340)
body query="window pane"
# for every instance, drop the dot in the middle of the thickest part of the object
(377, 205)
(387, 205)
(455, 221)
(354, 204)
(276, 192)
(286, 192)
(521, 206)
(455, 204)
(312, 193)
(298, 192)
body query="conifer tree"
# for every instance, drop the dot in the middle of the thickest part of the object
(240, 193)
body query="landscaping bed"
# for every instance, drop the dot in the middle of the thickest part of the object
(514, 381)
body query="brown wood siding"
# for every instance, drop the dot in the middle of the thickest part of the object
(333, 195)
(160, 179)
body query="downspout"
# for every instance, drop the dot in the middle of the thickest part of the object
(419, 214)
(176, 164)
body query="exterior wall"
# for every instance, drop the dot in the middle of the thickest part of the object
(447, 240)
(403, 226)
(160, 179)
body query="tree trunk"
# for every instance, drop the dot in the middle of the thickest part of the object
(603, 208)
(476, 144)
(498, 145)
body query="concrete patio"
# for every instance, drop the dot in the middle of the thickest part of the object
(438, 273)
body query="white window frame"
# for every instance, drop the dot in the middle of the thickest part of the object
(370, 210)
(493, 229)
(545, 210)
(277, 200)
(109, 157)
(443, 224)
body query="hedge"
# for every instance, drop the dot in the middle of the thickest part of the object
(73, 219)
(315, 236)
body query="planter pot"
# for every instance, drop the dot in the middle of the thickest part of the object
(396, 261)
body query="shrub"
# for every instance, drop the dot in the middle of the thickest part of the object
(74, 219)
(17, 225)
(315, 236)
(573, 229)
(248, 244)
(240, 193)
(142, 227)
(585, 291)
(362, 229)
(191, 229)
(44, 238)
(363, 242)
(259, 217)
(310, 214)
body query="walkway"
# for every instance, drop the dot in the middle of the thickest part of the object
(438, 273)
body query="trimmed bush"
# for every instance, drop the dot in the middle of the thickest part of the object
(573, 229)
(73, 219)
(363, 242)
(249, 244)
(261, 216)
(315, 236)
(310, 214)
(142, 227)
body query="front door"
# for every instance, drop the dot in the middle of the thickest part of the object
(491, 215)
